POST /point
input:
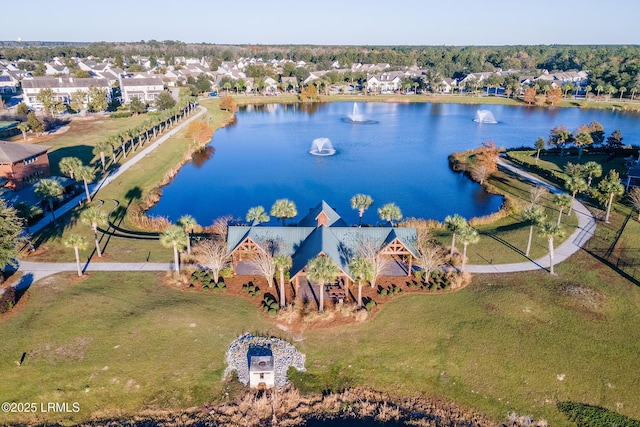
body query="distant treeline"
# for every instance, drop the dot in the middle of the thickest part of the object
(617, 65)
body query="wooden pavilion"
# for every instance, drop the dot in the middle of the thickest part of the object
(321, 232)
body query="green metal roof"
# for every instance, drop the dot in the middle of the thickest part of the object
(338, 242)
(311, 219)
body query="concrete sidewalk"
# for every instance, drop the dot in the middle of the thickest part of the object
(114, 174)
(584, 231)
(34, 271)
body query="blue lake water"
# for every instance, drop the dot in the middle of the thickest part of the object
(402, 158)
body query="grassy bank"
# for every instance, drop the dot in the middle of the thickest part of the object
(132, 186)
(120, 343)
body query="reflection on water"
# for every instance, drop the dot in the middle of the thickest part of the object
(200, 157)
(400, 159)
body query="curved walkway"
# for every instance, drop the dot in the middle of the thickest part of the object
(34, 271)
(584, 231)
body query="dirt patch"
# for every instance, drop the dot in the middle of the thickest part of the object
(587, 301)
(20, 305)
(72, 350)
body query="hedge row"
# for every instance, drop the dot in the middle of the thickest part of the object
(594, 416)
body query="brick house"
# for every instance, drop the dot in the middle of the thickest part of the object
(23, 164)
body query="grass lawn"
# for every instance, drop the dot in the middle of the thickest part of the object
(505, 240)
(556, 162)
(119, 343)
(132, 185)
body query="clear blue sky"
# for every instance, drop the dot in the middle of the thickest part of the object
(329, 22)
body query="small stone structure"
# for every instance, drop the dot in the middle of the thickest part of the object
(261, 372)
(246, 353)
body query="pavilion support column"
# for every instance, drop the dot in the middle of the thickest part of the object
(296, 286)
(410, 265)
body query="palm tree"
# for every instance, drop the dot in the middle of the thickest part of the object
(390, 212)
(611, 187)
(592, 170)
(454, 224)
(575, 185)
(102, 149)
(361, 202)
(622, 91)
(467, 235)
(582, 139)
(282, 262)
(551, 231)
(188, 223)
(76, 242)
(284, 208)
(323, 270)
(534, 216)
(586, 91)
(174, 237)
(257, 215)
(562, 201)
(87, 174)
(49, 190)
(69, 166)
(95, 217)
(599, 89)
(362, 271)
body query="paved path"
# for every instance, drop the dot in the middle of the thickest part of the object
(584, 231)
(114, 174)
(34, 271)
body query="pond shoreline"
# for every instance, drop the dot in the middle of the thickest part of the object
(288, 407)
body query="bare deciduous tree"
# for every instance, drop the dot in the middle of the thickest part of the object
(370, 249)
(212, 254)
(430, 255)
(537, 193)
(263, 259)
(634, 196)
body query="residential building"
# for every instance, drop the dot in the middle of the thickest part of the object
(62, 87)
(145, 87)
(22, 164)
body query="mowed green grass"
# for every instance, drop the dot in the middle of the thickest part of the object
(555, 162)
(82, 136)
(120, 343)
(505, 240)
(499, 345)
(132, 185)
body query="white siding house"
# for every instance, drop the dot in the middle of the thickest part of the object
(145, 88)
(62, 87)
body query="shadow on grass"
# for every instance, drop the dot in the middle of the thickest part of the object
(55, 230)
(614, 267)
(83, 152)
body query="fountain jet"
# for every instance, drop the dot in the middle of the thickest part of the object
(485, 116)
(357, 118)
(322, 147)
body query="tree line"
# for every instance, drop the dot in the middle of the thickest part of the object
(616, 66)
